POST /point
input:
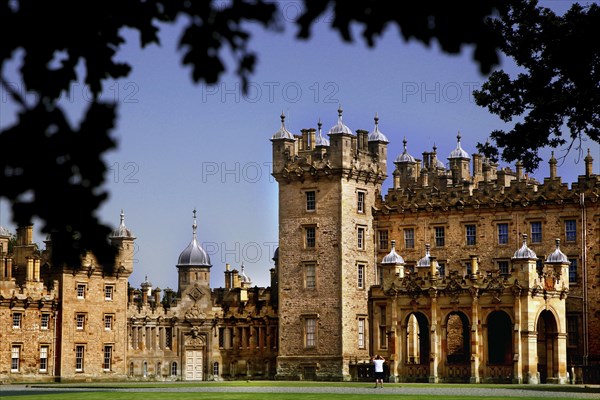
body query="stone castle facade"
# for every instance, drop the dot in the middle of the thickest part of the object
(459, 273)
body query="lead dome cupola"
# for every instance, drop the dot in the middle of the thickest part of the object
(194, 254)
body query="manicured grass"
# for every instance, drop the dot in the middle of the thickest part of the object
(158, 390)
(240, 396)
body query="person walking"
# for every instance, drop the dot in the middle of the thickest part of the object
(378, 362)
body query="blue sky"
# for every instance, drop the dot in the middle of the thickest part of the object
(183, 146)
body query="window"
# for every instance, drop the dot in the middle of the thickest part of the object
(310, 332)
(471, 231)
(469, 268)
(573, 330)
(502, 233)
(80, 321)
(382, 328)
(409, 238)
(107, 363)
(570, 230)
(108, 322)
(108, 292)
(168, 341)
(81, 291)
(311, 200)
(221, 338)
(573, 270)
(361, 276)
(15, 358)
(310, 237)
(310, 276)
(173, 368)
(17, 317)
(45, 321)
(44, 358)
(360, 203)
(215, 369)
(360, 238)
(79, 352)
(383, 240)
(361, 333)
(131, 369)
(440, 237)
(442, 269)
(536, 232)
(503, 267)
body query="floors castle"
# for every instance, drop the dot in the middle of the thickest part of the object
(461, 272)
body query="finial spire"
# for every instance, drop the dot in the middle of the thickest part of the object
(340, 110)
(282, 118)
(319, 124)
(194, 226)
(458, 137)
(122, 217)
(376, 118)
(404, 142)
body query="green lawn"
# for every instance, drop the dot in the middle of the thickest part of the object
(152, 391)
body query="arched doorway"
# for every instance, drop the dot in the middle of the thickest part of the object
(547, 347)
(416, 345)
(499, 347)
(457, 347)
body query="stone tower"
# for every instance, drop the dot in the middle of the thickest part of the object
(326, 264)
(194, 266)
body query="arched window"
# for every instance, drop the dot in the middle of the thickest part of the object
(158, 369)
(130, 369)
(173, 368)
(216, 369)
(145, 369)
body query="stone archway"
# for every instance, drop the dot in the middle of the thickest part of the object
(195, 345)
(457, 347)
(499, 363)
(416, 348)
(547, 347)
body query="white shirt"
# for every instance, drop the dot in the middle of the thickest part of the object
(378, 365)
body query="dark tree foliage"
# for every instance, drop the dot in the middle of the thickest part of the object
(559, 88)
(54, 171)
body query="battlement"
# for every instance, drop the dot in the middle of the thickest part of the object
(310, 155)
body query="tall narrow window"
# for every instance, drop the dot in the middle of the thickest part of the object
(503, 267)
(382, 327)
(44, 358)
(310, 332)
(17, 317)
(310, 276)
(361, 276)
(311, 200)
(107, 364)
(108, 322)
(173, 368)
(360, 238)
(440, 236)
(471, 231)
(310, 237)
(108, 292)
(168, 340)
(215, 369)
(502, 233)
(360, 203)
(536, 232)
(409, 238)
(79, 353)
(573, 330)
(570, 230)
(45, 321)
(442, 269)
(80, 291)
(383, 240)
(15, 359)
(80, 321)
(572, 270)
(361, 333)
